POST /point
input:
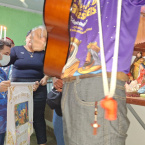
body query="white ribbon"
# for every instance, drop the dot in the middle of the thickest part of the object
(110, 92)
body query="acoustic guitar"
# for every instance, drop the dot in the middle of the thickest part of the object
(56, 19)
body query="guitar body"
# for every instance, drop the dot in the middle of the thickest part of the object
(56, 19)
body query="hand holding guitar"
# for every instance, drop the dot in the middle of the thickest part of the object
(58, 84)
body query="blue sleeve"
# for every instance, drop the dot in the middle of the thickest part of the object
(137, 2)
(3, 75)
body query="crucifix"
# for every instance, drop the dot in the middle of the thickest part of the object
(95, 125)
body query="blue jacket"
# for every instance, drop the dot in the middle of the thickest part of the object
(3, 104)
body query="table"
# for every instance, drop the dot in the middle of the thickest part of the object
(136, 101)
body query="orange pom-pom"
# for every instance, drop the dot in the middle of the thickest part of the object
(110, 106)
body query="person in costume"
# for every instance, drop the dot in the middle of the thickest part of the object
(82, 107)
(83, 93)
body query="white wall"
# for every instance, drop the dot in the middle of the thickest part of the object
(136, 134)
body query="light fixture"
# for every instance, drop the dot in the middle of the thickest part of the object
(24, 3)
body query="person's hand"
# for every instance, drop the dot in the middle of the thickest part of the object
(4, 85)
(43, 81)
(58, 84)
(38, 40)
(35, 86)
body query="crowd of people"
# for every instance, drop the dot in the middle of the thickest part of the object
(83, 113)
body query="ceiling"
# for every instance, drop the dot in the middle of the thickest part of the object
(30, 5)
(35, 6)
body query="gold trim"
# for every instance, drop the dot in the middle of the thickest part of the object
(11, 90)
(31, 89)
(10, 138)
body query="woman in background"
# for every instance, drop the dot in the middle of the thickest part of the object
(28, 67)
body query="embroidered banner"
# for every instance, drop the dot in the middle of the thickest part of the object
(20, 114)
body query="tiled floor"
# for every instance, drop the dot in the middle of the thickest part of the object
(50, 139)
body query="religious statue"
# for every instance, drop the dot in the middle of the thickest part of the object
(134, 69)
